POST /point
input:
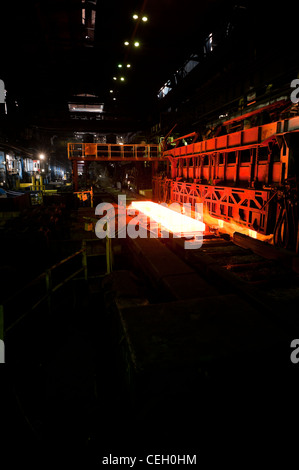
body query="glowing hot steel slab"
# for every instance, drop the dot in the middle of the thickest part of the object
(172, 221)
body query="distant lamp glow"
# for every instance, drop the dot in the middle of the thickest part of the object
(136, 44)
(114, 78)
(126, 43)
(42, 156)
(144, 18)
(114, 99)
(128, 66)
(122, 79)
(135, 17)
(111, 91)
(119, 66)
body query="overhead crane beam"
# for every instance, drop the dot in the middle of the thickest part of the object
(79, 153)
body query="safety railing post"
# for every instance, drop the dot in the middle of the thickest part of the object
(91, 197)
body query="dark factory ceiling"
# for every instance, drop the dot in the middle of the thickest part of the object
(54, 50)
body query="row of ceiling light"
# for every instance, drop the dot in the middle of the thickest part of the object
(144, 18)
(135, 17)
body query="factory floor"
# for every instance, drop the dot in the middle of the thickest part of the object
(68, 404)
(63, 400)
(57, 400)
(50, 386)
(62, 395)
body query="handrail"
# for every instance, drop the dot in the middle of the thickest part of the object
(47, 275)
(49, 288)
(95, 151)
(41, 276)
(66, 259)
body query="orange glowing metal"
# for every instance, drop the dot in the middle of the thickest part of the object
(169, 219)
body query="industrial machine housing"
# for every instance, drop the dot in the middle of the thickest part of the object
(248, 176)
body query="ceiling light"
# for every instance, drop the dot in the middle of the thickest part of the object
(144, 18)
(126, 43)
(135, 17)
(136, 44)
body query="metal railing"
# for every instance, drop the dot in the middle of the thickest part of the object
(41, 289)
(81, 151)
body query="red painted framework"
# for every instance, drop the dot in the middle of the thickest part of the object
(248, 207)
(231, 187)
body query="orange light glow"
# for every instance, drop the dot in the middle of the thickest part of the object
(232, 227)
(252, 233)
(172, 221)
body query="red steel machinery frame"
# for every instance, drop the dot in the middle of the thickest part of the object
(235, 175)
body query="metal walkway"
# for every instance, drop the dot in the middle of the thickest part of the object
(114, 152)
